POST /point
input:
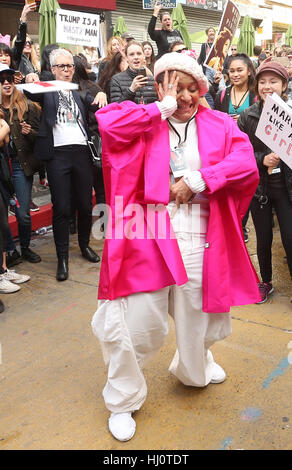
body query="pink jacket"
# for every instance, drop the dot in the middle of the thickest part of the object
(136, 153)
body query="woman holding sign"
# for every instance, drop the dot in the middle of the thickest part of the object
(275, 187)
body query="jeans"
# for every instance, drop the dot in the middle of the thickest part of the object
(263, 222)
(23, 187)
(4, 226)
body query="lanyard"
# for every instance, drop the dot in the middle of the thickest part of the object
(180, 143)
(238, 105)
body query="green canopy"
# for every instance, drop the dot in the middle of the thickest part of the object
(288, 35)
(179, 22)
(47, 23)
(200, 37)
(120, 27)
(246, 41)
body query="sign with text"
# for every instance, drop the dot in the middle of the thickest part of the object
(149, 4)
(228, 25)
(275, 128)
(205, 4)
(78, 28)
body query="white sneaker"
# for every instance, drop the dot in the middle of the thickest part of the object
(217, 373)
(122, 426)
(12, 276)
(7, 287)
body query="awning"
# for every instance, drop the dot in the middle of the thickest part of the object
(100, 4)
(77, 4)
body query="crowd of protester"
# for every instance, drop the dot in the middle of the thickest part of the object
(125, 73)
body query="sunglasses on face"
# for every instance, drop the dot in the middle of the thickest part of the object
(8, 78)
(234, 49)
(28, 43)
(180, 50)
(63, 66)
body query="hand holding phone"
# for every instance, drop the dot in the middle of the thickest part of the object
(30, 2)
(142, 71)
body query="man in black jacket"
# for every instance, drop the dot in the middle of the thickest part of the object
(205, 49)
(136, 83)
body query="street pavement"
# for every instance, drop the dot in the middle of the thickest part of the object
(52, 372)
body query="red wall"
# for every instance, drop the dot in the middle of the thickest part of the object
(91, 4)
(101, 4)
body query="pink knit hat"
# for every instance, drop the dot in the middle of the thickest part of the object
(182, 63)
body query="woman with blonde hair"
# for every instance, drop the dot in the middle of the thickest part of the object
(9, 280)
(114, 44)
(29, 64)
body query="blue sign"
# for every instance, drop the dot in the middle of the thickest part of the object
(149, 4)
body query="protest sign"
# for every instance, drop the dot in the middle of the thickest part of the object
(46, 87)
(228, 25)
(275, 127)
(79, 28)
(149, 4)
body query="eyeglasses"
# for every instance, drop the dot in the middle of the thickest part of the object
(7, 78)
(234, 48)
(63, 66)
(180, 50)
(28, 43)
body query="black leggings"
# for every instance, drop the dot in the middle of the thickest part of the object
(263, 222)
(4, 226)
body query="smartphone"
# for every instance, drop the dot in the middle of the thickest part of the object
(29, 2)
(142, 72)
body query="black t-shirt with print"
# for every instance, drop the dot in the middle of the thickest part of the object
(163, 38)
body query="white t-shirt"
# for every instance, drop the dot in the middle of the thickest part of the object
(192, 217)
(66, 130)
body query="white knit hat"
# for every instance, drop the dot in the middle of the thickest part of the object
(183, 63)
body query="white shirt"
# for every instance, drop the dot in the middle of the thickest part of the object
(192, 217)
(66, 130)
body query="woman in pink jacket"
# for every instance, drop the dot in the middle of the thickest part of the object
(178, 178)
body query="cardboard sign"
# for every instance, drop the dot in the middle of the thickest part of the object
(149, 4)
(275, 127)
(78, 28)
(228, 25)
(47, 87)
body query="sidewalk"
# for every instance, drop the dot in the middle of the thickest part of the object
(52, 372)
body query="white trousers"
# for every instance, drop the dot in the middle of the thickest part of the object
(132, 329)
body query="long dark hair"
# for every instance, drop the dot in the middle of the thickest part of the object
(112, 69)
(244, 58)
(152, 57)
(46, 73)
(81, 76)
(6, 50)
(220, 41)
